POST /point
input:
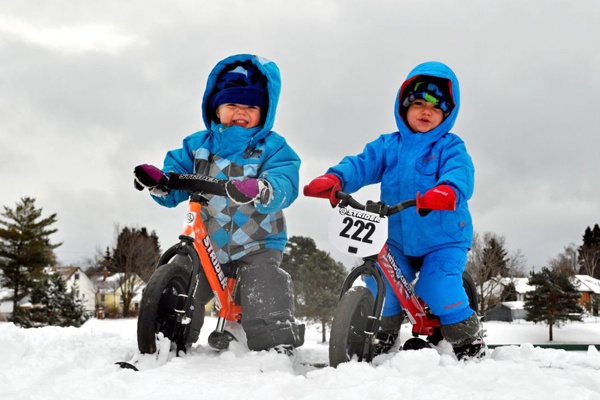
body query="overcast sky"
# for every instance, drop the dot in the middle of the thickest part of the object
(89, 89)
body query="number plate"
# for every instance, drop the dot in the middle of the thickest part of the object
(358, 233)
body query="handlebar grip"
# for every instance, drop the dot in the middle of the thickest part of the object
(197, 183)
(348, 200)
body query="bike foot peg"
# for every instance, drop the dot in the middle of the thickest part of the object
(220, 340)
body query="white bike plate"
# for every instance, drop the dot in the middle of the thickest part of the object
(358, 233)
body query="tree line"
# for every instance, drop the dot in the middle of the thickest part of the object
(26, 249)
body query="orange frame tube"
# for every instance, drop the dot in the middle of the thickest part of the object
(221, 286)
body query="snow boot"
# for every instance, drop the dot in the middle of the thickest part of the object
(466, 338)
(388, 334)
(285, 349)
(473, 350)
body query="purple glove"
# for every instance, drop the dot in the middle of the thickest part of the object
(248, 190)
(149, 177)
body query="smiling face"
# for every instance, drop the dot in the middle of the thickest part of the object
(239, 114)
(422, 116)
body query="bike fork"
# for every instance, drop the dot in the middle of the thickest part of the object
(220, 325)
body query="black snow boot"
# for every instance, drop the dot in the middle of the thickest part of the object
(466, 338)
(388, 334)
(475, 349)
(285, 349)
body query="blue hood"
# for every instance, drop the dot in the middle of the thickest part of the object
(269, 70)
(440, 70)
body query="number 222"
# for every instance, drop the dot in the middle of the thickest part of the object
(360, 227)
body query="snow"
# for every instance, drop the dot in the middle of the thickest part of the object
(78, 363)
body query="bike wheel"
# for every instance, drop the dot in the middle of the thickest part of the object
(471, 290)
(349, 322)
(157, 308)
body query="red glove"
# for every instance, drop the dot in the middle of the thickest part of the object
(324, 186)
(441, 197)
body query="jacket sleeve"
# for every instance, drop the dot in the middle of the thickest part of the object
(457, 169)
(362, 169)
(281, 169)
(181, 161)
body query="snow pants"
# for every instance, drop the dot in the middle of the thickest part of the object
(265, 293)
(440, 283)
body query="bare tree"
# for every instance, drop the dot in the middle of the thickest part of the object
(493, 269)
(565, 261)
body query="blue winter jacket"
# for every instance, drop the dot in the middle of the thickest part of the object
(239, 153)
(405, 163)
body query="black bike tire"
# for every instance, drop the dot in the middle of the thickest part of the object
(167, 277)
(354, 306)
(471, 290)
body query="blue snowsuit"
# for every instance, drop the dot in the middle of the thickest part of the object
(405, 162)
(247, 238)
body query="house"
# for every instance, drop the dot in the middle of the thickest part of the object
(495, 286)
(508, 311)
(6, 303)
(589, 287)
(75, 278)
(109, 300)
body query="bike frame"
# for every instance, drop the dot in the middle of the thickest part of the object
(196, 243)
(222, 286)
(422, 320)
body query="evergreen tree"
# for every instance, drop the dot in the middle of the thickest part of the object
(554, 300)
(53, 305)
(321, 279)
(495, 259)
(297, 250)
(317, 280)
(25, 248)
(136, 254)
(589, 252)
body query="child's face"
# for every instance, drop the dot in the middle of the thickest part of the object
(422, 116)
(239, 114)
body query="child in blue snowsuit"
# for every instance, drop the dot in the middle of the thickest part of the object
(422, 156)
(247, 228)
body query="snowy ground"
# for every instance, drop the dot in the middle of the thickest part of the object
(70, 363)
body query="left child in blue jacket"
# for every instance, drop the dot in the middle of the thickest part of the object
(248, 228)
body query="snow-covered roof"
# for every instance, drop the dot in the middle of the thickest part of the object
(586, 283)
(65, 272)
(514, 305)
(495, 285)
(521, 285)
(113, 282)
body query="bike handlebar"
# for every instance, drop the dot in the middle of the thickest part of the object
(196, 184)
(375, 207)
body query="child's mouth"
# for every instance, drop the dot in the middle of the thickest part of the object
(239, 122)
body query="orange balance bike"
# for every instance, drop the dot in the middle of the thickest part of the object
(361, 230)
(188, 276)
